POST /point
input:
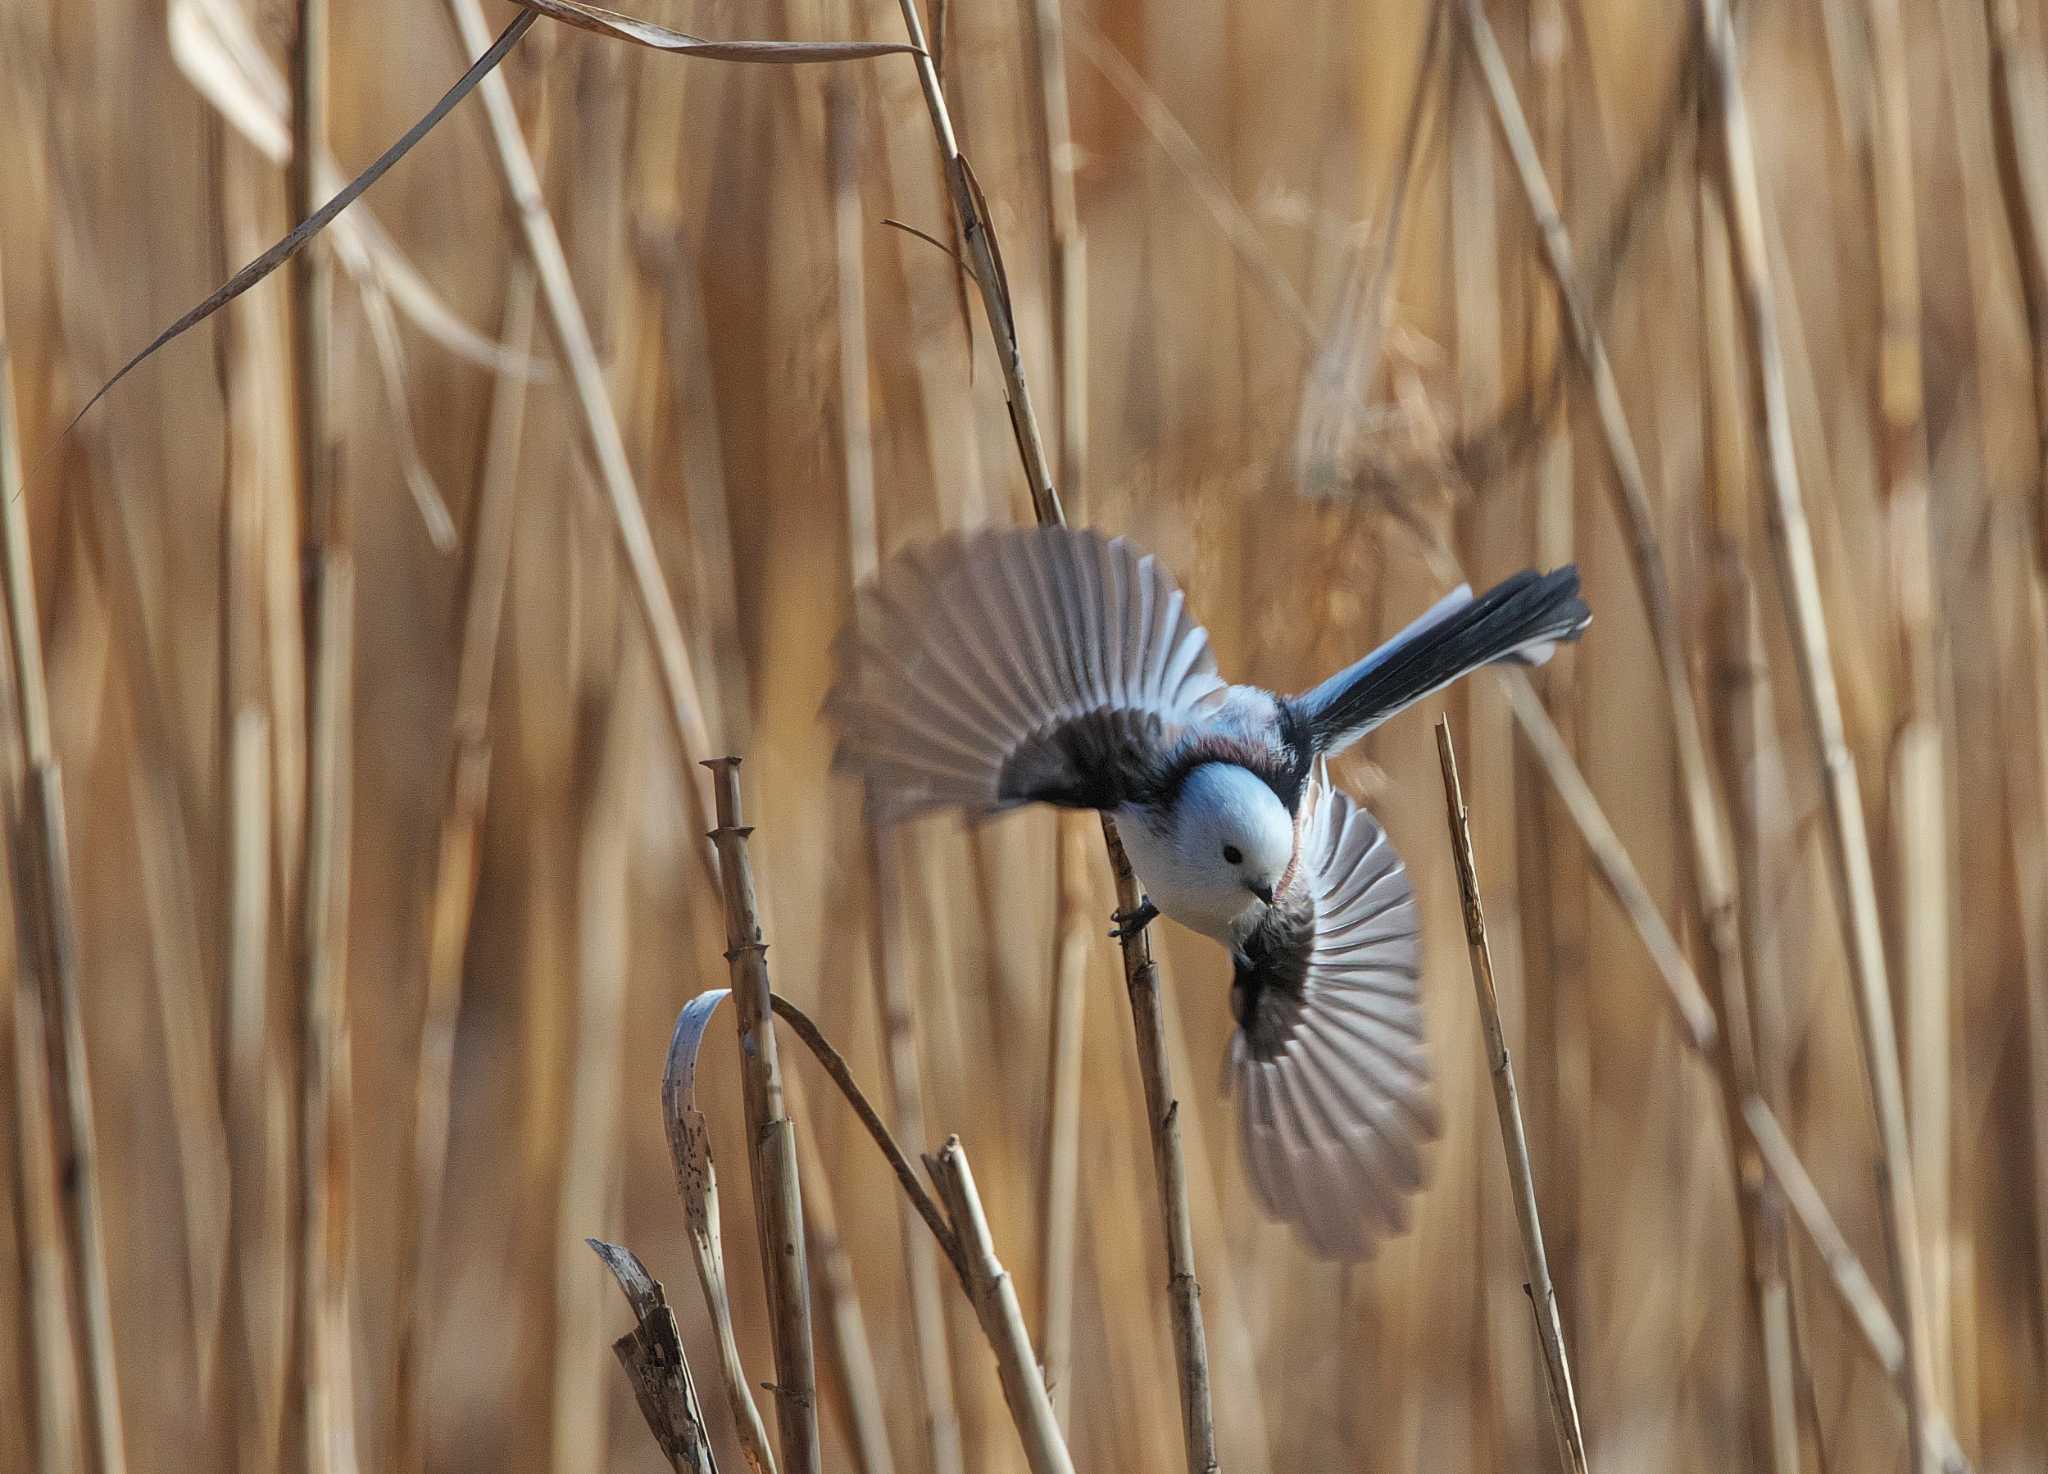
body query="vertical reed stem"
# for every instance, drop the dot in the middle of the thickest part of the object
(1799, 576)
(771, 1136)
(1557, 1370)
(1141, 978)
(46, 942)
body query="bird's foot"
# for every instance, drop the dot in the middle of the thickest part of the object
(1130, 923)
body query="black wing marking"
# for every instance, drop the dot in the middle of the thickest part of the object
(1024, 665)
(1328, 1062)
(1523, 618)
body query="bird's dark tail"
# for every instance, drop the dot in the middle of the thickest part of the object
(1522, 619)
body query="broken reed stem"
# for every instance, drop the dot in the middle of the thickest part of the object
(1141, 979)
(1712, 864)
(1799, 577)
(771, 1136)
(654, 1361)
(1557, 1370)
(606, 446)
(46, 943)
(995, 1304)
(457, 855)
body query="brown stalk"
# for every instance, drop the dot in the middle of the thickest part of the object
(1514, 1137)
(2018, 115)
(260, 693)
(321, 1380)
(604, 443)
(1746, 736)
(1849, 847)
(846, 1323)
(457, 855)
(1712, 867)
(771, 1137)
(886, 915)
(1191, 1348)
(886, 920)
(995, 1304)
(589, 1185)
(653, 1358)
(1919, 781)
(46, 943)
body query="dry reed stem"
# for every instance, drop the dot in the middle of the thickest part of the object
(1919, 780)
(1191, 1349)
(904, 1070)
(1746, 736)
(260, 743)
(1060, 1204)
(486, 575)
(321, 1379)
(604, 443)
(835, 1066)
(50, 1340)
(46, 942)
(1712, 866)
(1849, 847)
(771, 1143)
(653, 1358)
(1002, 1318)
(846, 1323)
(2019, 111)
(1542, 1293)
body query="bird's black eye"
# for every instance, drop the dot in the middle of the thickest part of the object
(1232, 855)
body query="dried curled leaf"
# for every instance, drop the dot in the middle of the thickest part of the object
(689, 1145)
(661, 38)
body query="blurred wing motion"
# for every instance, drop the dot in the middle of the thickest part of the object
(1523, 619)
(1006, 667)
(1328, 1062)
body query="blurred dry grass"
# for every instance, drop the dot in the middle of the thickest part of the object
(1235, 349)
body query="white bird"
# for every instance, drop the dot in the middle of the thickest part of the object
(1054, 665)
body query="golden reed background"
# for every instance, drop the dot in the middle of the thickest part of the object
(1233, 187)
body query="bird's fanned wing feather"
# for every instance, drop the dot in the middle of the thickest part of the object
(1023, 665)
(1328, 1062)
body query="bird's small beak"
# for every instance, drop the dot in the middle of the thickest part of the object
(1264, 893)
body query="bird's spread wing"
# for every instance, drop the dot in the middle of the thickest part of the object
(1006, 667)
(1328, 1063)
(1521, 619)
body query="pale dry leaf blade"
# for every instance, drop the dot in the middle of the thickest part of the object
(679, 43)
(213, 48)
(689, 1144)
(312, 225)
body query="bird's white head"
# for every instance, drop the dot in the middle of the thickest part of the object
(1233, 841)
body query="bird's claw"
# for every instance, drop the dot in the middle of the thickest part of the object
(1130, 923)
